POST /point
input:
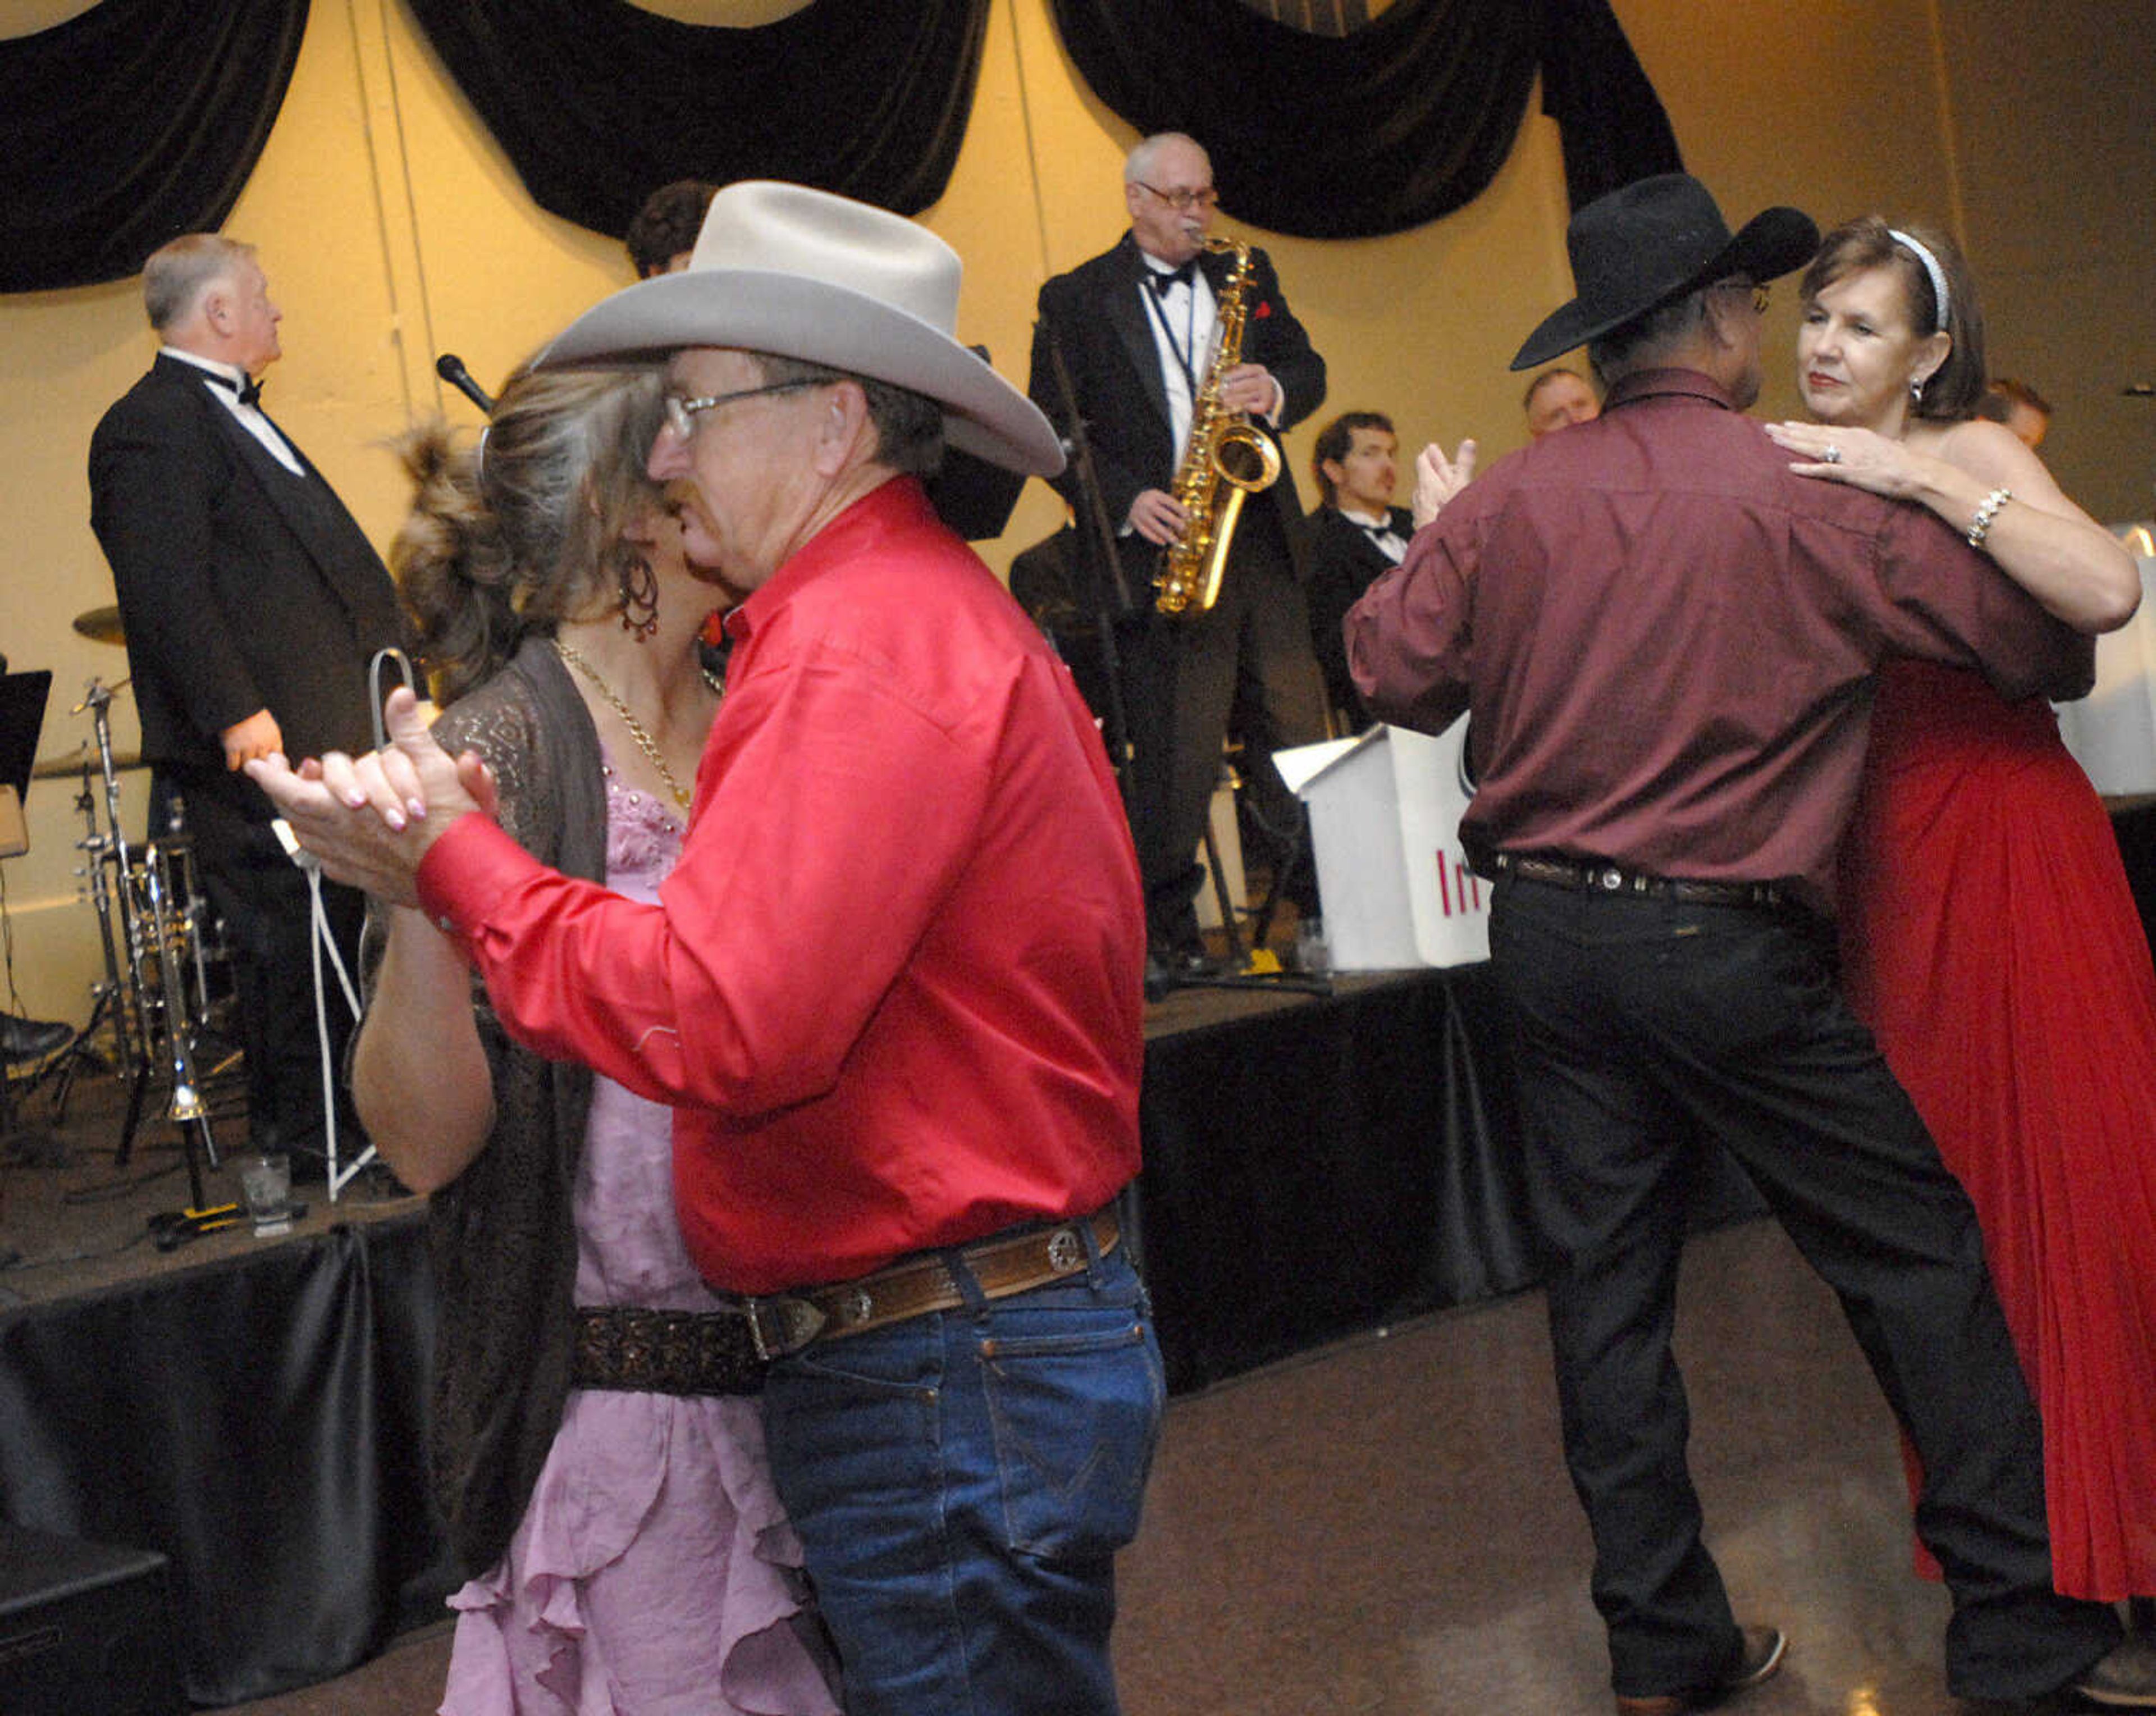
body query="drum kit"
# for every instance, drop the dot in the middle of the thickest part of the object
(153, 1008)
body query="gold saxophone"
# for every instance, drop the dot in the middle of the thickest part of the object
(1228, 458)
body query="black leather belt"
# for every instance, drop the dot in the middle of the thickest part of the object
(1612, 879)
(665, 1351)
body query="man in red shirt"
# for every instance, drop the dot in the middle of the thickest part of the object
(1667, 642)
(893, 987)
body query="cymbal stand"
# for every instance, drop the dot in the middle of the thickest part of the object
(150, 999)
(110, 1000)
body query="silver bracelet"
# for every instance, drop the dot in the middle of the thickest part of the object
(1987, 510)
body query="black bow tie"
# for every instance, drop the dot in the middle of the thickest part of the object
(1161, 279)
(249, 390)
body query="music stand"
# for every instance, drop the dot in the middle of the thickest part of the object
(23, 698)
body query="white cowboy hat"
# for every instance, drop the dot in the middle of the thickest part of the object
(800, 273)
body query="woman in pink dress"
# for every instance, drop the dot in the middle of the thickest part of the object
(1988, 932)
(600, 1470)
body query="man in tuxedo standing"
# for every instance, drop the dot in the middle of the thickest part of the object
(1355, 534)
(252, 603)
(1135, 327)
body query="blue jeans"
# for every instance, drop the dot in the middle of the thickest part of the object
(961, 1481)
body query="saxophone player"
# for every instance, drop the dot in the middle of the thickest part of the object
(1136, 330)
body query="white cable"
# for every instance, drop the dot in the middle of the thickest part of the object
(323, 938)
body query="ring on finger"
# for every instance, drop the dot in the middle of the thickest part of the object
(1832, 456)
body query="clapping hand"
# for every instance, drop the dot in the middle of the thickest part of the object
(370, 820)
(1439, 479)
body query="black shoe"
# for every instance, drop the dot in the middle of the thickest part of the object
(23, 1040)
(2125, 1679)
(1165, 973)
(1759, 1658)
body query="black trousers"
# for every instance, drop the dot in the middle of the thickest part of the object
(1182, 677)
(1635, 1016)
(261, 897)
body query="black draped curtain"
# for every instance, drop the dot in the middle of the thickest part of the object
(1383, 129)
(131, 123)
(598, 102)
(1610, 119)
(140, 119)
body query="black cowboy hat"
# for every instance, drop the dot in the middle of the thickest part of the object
(1651, 241)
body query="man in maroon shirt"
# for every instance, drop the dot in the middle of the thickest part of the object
(1666, 641)
(892, 987)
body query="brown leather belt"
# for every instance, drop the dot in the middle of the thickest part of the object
(726, 1351)
(1611, 879)
(1001, 1264)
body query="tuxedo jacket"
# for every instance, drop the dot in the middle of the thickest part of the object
(1095, 314)
(1339, 563)
(242, 586)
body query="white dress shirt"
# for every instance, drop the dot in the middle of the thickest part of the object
(226, 393)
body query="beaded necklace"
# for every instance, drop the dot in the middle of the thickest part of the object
(644, 741)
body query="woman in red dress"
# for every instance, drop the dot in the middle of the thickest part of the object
(1988, 932)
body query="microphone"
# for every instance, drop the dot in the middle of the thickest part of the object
(451, 369)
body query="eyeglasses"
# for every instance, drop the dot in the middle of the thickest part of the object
(681, 413)
(1182, 200)
(1759, 293)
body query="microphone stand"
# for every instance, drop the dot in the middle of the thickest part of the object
(1103, 588)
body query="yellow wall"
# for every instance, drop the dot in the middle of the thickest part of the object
(392, 229)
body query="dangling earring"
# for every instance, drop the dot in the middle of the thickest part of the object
(639, 598)
(1917, 390)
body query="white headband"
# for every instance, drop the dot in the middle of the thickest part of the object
(1939, 276)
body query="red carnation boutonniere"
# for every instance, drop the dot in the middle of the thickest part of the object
(1264, 309)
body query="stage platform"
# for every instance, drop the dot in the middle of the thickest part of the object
(254, 1409)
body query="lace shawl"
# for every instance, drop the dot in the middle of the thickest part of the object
(502, 1236)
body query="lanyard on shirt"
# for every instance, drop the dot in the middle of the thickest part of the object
(1185, 349)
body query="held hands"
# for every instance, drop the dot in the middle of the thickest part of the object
(371, 820)
(1855, 456)
(1439, 479)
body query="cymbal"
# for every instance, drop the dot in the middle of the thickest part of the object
(74, 762)
(100, 625)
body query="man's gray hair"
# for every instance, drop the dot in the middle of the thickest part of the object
(909, 426)
(1139, 164)
(177, 273)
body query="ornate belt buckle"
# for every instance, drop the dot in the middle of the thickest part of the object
(781, 1326)
(1065, 1254)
